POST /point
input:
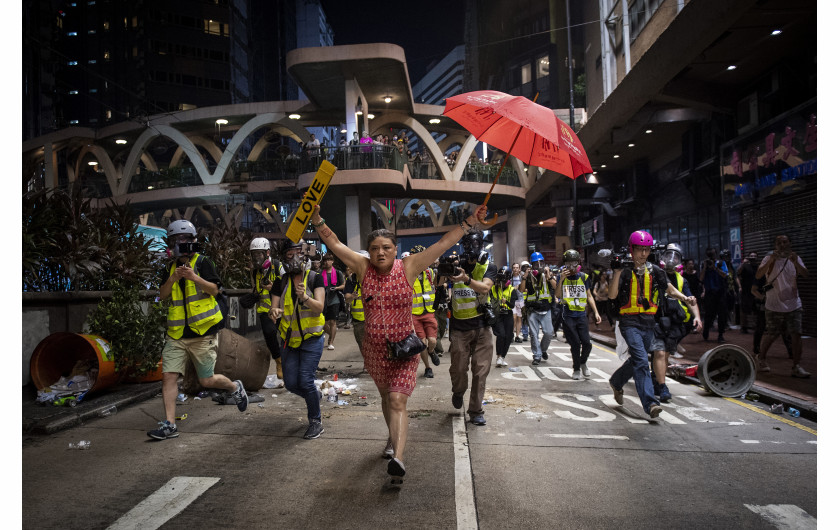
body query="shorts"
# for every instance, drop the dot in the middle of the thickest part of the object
(517, 308)
(201, 350)
(788, 323)
(657, 344)
(331, 311)
(425, 325)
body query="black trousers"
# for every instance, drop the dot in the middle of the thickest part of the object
(269, 330)
(503, 330)
(714, 306)
(576, 331)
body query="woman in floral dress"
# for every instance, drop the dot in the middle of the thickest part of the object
(387, 295)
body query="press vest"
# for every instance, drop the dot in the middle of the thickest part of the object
(464, 299)
(264, 305)
(574, 292)
(543, 294)
(357, 310)
(311, 322)
(632, 307)
(680, 282)
(424, 294)
(195, 309)
(503, 296)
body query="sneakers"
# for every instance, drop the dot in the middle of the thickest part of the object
(576, 375)
(396, 468)
(798, 371)
(388, 452)
(654, 411)
(434, 357)
(535, 362)
(478, 419)
(428, 373)
(545, 356)
(457, 400)
(586, 373)
(677, 355)
(330, 347)
(280, 383)
(517, 339)
(314, 430)
(721, 340)
(166, 430)
(240, 397)
(664, 394)
(618, 394)
(504, 362)
(764, 367)
(498, 360)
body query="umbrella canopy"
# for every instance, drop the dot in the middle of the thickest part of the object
(523, 129)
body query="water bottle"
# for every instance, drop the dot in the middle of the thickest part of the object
(793, 412)
(83, 445)
(109, 411)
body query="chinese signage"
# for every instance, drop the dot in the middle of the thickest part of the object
(592, 231)
(778, 158)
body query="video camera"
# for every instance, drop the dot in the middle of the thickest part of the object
(447, 264)
(619, 259)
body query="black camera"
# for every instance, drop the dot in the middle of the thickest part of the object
(447, 266)
(489, 315)
(619, 259)
(189, 248)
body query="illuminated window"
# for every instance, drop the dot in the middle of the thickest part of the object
(92, 61)
(73, 92)
(542, 66)
(107, 114)
(106, 55)
(133, 22)
(72, 63)
(212, 27)
(106, 25)
(93, 90)
(91, 32)
(526, 73)
(186, 106)
(74, 122)
(71, 33)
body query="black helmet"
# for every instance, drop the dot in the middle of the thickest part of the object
(298, 261)
(416, 249)
(504, 275)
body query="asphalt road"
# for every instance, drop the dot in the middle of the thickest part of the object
(555, 453)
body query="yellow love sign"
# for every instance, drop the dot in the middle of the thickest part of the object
(312, 197)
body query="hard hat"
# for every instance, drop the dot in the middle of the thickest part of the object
(640, 238)
(259, 243)
(524, 264)
(416, 249)
(181, 226)
(504, 274)
(536, 256)
(571, 255)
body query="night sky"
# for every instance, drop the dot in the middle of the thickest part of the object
(427, 30)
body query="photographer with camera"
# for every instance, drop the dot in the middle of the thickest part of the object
(713, 274)
(470, 339)
(264, 271)
(575, 292)
(442, 295)
(672, 321)
(636, 288)
(503, 297)
(423, 314)
(783, 307)
(193, 322)
(538, 287)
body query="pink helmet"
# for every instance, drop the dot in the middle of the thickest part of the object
(640, 238)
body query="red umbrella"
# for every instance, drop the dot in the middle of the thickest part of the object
(524, 129)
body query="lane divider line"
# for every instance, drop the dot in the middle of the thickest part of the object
(467, 518)
(776, 417)
(164, 504)
(784, 515)
(591, 436)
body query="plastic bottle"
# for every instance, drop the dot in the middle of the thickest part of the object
(793, 412)
(83, 445)
(109, 411)
(331, 396)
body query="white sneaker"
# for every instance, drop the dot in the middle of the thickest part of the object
(498, 360)
(330, 347)
(798, 371)
(576, 375)
(586, 373)
(764, 367)
(677, 355)
(504, 362)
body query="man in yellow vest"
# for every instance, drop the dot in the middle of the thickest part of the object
(575, 292)
(670, 331)
(471, 342)
(423, 314)
(538, 288)
(297, 305)
(193, 321)
(353, 296)
(637, 288)
(265, 271)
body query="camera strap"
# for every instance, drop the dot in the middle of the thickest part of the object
(770, 282)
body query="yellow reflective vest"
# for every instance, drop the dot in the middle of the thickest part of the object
(464, 299)
(632, 307)
(503, 296)
(357, 310)
(264, 305)
(195, 309)
(680, 281)
(424, 294)
(574, 292)
(543, 294)
(299, 325)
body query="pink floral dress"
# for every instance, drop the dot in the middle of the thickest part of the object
(387, 302)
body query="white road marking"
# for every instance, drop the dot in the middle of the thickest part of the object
(164, 504)
(590, 436)
(464, 494)
(750, 442)
(784, 516)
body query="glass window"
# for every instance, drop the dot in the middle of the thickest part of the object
(72, 63)
(106, 25)
(542, 66)
(91, 32)
(107, 114)
(73, 92)
(92, 61)
(71, 33)
(93, 91)
(74, 122)
(526, 73)
(212, 27)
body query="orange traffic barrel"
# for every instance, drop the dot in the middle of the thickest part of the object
(57, 354)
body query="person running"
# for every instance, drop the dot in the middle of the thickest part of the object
(575, 292)
(297, 305)
(503, 297)
(192, 324)
(387, 296)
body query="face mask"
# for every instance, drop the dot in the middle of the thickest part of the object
(573, 267)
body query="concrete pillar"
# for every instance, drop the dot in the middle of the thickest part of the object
(352, 94)
(517, 235)
(364, 218)
(499, 253)
(562, 241)
(351, 210)
(50, 167)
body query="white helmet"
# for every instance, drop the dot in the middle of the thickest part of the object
(181, 226)
(260, 243)
(525, 264)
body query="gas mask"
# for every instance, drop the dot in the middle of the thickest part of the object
(671, 258)
(295, 263)
(260, 260)
(472, 252)
(573, 267)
